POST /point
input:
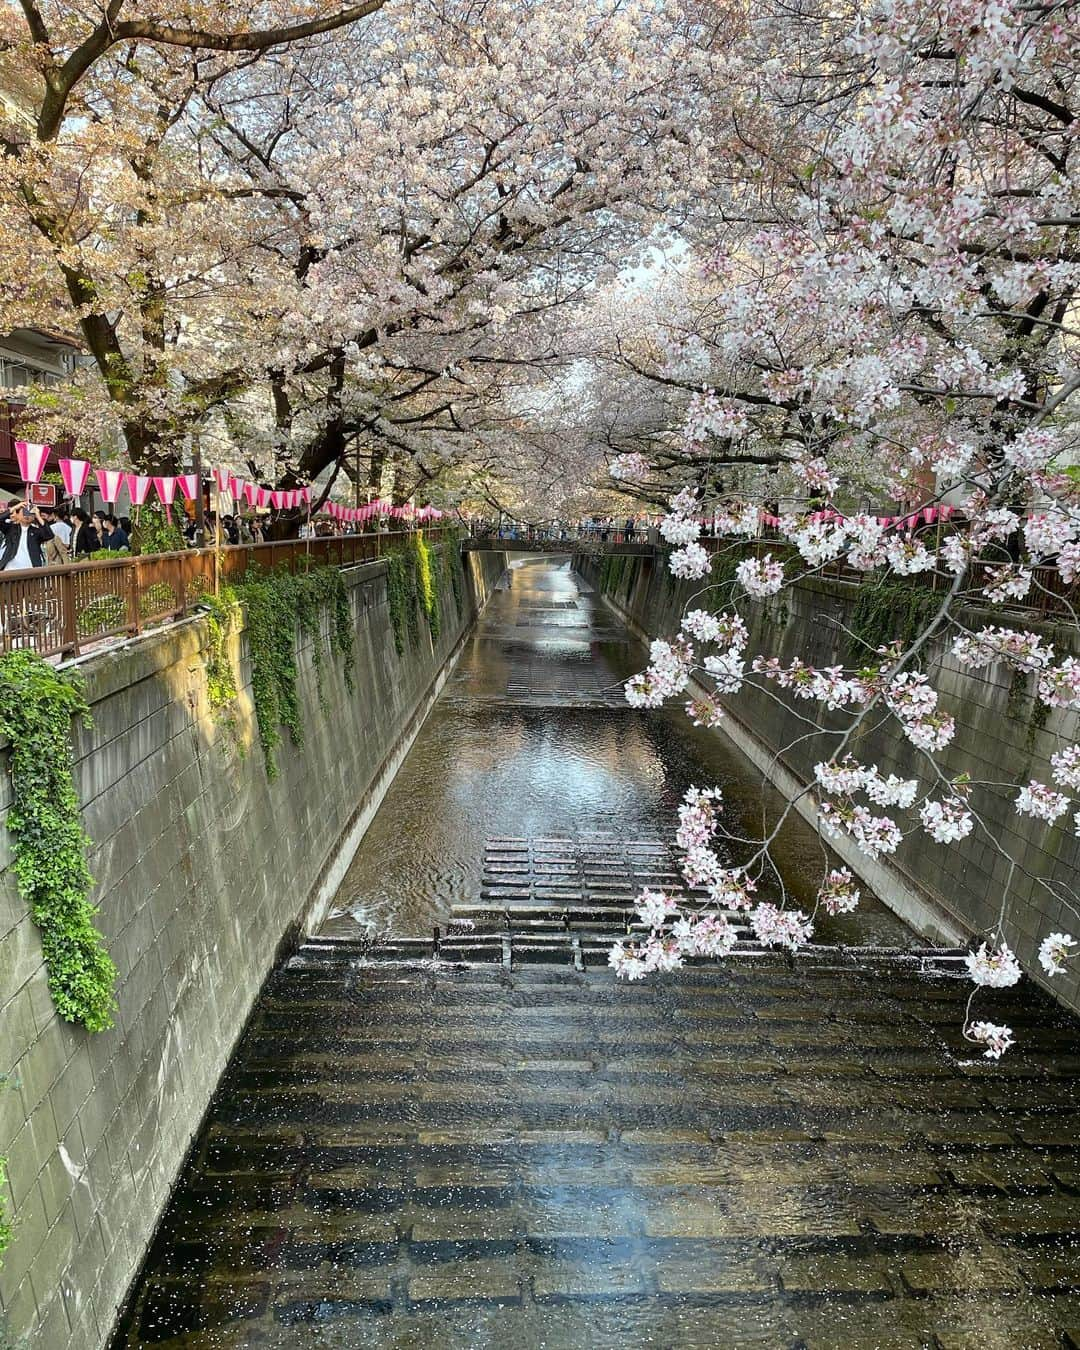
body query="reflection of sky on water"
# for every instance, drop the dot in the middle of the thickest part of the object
(532, 737)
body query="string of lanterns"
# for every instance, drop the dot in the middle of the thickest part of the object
(75, 474)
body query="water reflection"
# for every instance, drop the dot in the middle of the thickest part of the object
(532, 737)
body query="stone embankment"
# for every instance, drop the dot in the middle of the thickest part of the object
(947, 892)
(206, 870)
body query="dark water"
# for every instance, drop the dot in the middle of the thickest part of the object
(502, 1157)
(532, 738)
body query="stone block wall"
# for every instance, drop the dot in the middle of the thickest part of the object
(949, 891)
(204, 869)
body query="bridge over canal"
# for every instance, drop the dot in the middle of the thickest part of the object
(592, 544)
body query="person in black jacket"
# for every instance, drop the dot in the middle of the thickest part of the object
(24, 534)
(114, 535)
(86, 537)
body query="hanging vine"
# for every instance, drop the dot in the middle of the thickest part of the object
(885, 611)
(401, 595)
(429, 595)
(276, 604)
(220, 676)
(49, 844)
(5, 1223)
(452, 554)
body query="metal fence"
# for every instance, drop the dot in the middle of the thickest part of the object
(64, 610)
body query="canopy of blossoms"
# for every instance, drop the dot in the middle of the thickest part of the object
(885, 313)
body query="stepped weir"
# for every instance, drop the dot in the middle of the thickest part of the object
(447, 1125)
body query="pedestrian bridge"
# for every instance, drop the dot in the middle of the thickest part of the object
(594, 544)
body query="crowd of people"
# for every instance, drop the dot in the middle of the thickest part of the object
(47, 536)
(604, 528)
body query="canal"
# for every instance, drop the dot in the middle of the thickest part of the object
(523, 1154)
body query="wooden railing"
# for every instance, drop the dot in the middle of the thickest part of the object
(65, 610)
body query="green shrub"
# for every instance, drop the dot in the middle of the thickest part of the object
(103, 614)
(153, 533)
(37, 703)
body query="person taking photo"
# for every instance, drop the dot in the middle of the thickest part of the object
(25, 535)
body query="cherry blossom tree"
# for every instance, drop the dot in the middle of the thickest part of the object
(344, 249)
(102, 178)
(884, 293)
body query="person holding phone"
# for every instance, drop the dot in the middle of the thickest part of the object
(25, 536)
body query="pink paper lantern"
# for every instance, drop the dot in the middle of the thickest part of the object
(263, 497)
(305, 492)
(31, 459)
(277, 500)
(251, 493)
(189, 485)
(165, 489)
(138, 485)
(235, 486)
(109, 481)
(929, 512)
(221, 478)
(74, 472)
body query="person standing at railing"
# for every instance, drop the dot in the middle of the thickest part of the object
(25, 536)
(86, 537)
(58, 549)
(114, 535)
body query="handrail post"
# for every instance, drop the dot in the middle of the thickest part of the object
(69, 629)
(134, 589)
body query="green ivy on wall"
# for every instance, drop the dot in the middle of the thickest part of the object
(37, 703)
(220, 676)
(411, 587)
(401, 594)
(451, 552)
(885, 611)
(429, 595)
(276, 604)
(5, 1223)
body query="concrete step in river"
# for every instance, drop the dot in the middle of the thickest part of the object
(481, 1153)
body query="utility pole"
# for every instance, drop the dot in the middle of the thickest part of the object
(200, 509)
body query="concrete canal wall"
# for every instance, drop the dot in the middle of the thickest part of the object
(204, 869)
(947, 891)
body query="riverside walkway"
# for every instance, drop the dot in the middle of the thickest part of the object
(476, 1138)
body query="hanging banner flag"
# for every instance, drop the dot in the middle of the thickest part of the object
(235, 487)
(277, 499)
(929, 512)
(251, 492)
(305, 492)
(221, 478)
(189, 485)
(109, 481)
(31, 459)
(74, 472)
(263, 496)
(138, 485)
